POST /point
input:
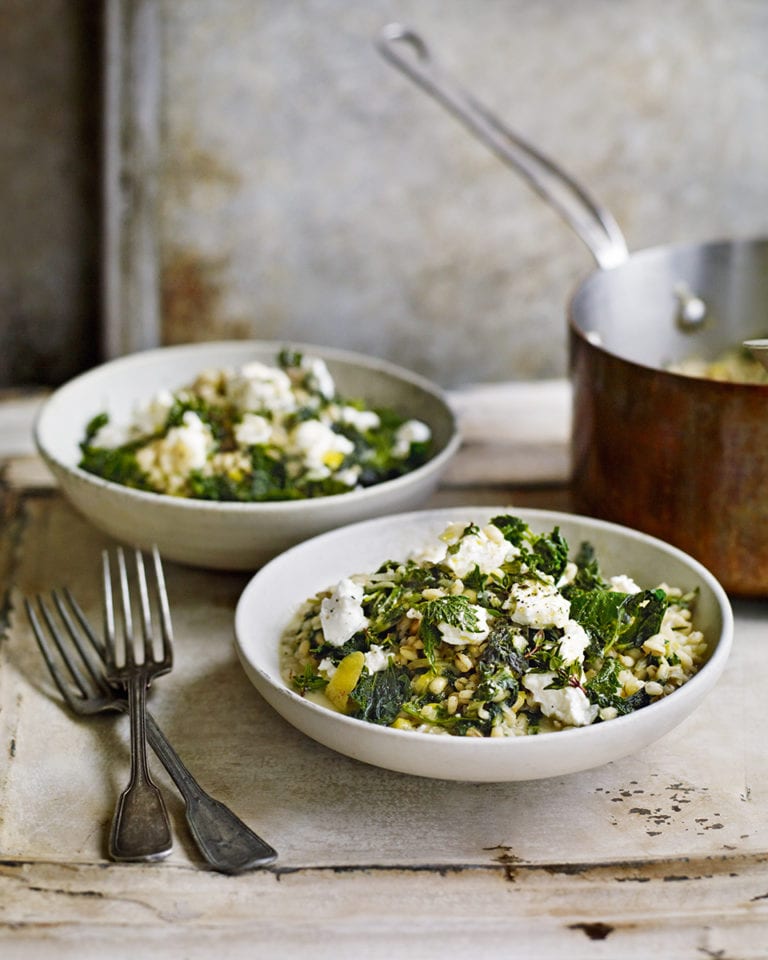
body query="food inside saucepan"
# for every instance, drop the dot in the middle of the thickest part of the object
(492, 631)
(735, 365)
(256, 433)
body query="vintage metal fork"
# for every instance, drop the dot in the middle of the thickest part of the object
(141, 829)
(227, 844)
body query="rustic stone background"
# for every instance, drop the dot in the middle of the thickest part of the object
(309, 191)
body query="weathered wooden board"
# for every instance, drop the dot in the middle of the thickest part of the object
(663, 851)
(715, 907)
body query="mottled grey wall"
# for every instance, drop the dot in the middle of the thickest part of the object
(49, 189)
(311, 191)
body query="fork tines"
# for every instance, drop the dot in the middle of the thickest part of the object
(119, 612)
(75, 672)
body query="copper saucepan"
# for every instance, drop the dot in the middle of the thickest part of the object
(682, 458)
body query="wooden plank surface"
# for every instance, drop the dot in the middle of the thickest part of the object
(668, 844)
(711, 908)
(663, 852)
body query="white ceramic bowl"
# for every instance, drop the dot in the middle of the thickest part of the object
(236, 536)
(276, 592)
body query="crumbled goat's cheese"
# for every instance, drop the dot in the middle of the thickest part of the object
(460, 636)
(169, 460)
(569, 705)
(573, 642)
(322, 449)
(253, 430)
(376, 659)
(487, 550)
(341, 614)
(412, 431)
(261, 387)
(536, 604)
(624, 584)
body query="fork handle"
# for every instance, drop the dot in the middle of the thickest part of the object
(140, 827)
(227, 844)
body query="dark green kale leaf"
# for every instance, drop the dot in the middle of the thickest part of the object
(359, 641)
(500, 648)
(643, 614)
(620, 619)
(218, 418)
(288, 359)
(500, 666)
(494, 681)
(374, 449)
(514, 529)
(484, 724)
(457, 612)
(385, 608)
(389, 419)
(93, 427)
(418, 577)
(379, 697)
(603, 689)
(475, 580)
(267, 480)
(551, 553)
(430, 637)
(119, 465)
(634, 702)
(542, 553)
(588, 576)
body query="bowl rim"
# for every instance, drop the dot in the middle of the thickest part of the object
(433, 464)
(708, 674)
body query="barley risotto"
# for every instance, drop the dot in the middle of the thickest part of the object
(492, 631)
(253, 434)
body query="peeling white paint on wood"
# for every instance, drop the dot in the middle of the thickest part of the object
(705, 908)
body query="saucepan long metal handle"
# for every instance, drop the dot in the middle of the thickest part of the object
(594, 225)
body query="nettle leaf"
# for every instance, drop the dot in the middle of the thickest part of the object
(604, 689)
(455, 611)
(500, 666)
(379, 696)
(588, 576)
(118, 465)
(604, 686)
(386, 607)
(543, 553)
(643, 614)
(500, 650)
(551, 553)
(430, 638)
(514, 529)
(626, 620)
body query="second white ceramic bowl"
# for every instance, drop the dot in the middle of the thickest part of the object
(236, 536)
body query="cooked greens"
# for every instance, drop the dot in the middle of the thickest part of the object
(258, 433)
(493, 631)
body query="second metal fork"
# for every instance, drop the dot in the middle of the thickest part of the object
(140, 828)
(75, 658)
